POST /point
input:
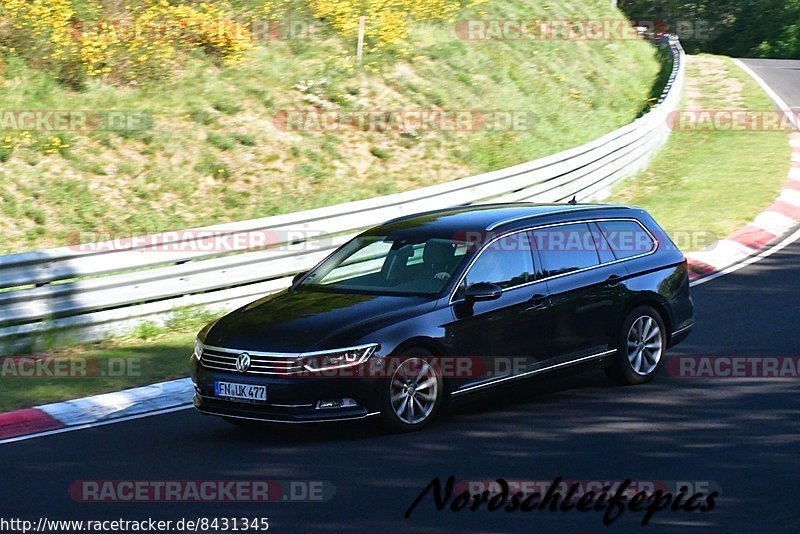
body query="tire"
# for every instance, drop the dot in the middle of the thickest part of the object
(641, 346)
(405, 406)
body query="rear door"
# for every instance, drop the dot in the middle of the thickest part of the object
(585, 285)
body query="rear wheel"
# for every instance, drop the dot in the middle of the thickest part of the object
(413, 395)
(641, 346)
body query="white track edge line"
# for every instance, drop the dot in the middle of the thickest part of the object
(793, 237)
(770, 92)
(749, 261)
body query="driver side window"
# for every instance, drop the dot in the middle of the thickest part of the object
(507, 262)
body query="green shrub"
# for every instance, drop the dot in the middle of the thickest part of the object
(201, 116)
(245, 139)
(210, 165)
(379, 153)
(222, 142)
(227, 107)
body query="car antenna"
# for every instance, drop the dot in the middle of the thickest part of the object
(574, 201)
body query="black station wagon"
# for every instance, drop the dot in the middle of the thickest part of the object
(427, 309)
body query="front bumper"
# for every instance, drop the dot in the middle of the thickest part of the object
(290, 399)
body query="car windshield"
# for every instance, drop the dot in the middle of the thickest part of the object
(380, 264)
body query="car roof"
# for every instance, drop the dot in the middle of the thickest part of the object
(483, 217)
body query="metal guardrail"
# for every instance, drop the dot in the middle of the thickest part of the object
(89, 292)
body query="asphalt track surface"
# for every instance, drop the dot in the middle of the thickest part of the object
(742, 434)
(782, 75)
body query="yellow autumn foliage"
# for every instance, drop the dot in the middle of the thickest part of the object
(157, 31)
(386, 21)
(154, 36)
(144, 44)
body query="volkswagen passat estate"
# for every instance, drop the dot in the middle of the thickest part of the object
(429, 309)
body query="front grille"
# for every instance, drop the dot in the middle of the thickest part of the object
(260, 363)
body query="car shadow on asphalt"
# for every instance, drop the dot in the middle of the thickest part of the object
(523, 394)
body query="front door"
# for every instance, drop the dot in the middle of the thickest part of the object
(508, 334)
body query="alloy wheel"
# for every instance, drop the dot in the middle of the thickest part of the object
(644, 345)
(413, 391)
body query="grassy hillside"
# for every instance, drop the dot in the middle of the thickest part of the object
(214, 154)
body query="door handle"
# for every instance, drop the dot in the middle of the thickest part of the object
(537, 302)
(613, 280)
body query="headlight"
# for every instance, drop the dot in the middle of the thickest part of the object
(337, 359)
(198, 349)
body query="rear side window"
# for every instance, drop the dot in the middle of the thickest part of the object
(565, 249)
(626, 239)
(507, 262)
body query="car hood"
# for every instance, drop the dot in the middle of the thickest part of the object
(303, 320)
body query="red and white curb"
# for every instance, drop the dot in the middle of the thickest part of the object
(776, 221)
(97, 410)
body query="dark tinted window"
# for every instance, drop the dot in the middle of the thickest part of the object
(603, 248)
(567, 248)
(389, 265)
(626, 238)
(506, 262)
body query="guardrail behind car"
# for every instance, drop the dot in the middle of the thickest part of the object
(85, 293)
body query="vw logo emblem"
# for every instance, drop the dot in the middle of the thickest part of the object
(243, 362)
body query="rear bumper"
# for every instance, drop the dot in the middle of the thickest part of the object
(680, 334)
(289, 399)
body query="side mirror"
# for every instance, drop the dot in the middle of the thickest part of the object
(482, 291)
(298, 276)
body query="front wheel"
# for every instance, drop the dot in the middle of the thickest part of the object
(641, 346)
(413, 395)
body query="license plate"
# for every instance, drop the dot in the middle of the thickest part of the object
(247, 392)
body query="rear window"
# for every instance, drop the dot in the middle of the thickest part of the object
(626, 239)
(565, 249)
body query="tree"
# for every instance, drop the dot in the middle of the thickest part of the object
(755, 28)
